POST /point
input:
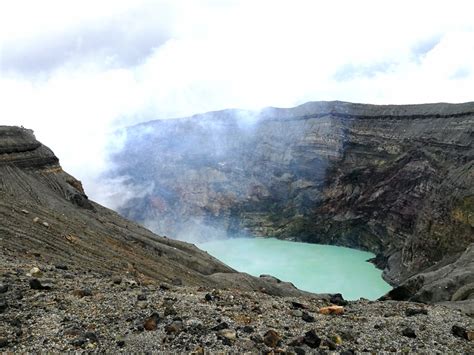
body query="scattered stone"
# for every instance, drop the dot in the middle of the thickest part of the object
(174, 327)
(116, 280)
(228, 334)
(25, 211)
(198, 351)
(308, 318)
(36, 219)
(338, 300)
(79, 342)
(462, 332)
(226, 341)
(164, 287)
(336, 339)
(83, 292)
(3, 305)
(73, 330)
(330, 344)
(415, 311)
(61, 266)
(142, 297)
(46, 224)
(220, 326)
(208, 297)
(151, 322)
(92, 337)
(271, 338)
(409, 332)
(4, 288)
(170, 311)
(298, 305)
(35, 272)
(469, 335)
(311, 339)
(132, 283)
(299, 351)
(36, 284)
(120, 343)
(297, 313)
(3, 343)
(332, 310)
(297, 341)
(256, 338)
(248, 329)
(15, 323)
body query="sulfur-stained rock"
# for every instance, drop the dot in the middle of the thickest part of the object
(332, 310)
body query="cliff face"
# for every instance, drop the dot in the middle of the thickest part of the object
(395, 180)
(46, 217)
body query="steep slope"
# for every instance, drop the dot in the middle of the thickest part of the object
(394, 180)
(45, 216)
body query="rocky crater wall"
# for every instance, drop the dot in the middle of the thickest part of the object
(394, 180)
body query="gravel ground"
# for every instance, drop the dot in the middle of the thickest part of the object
(77, 310)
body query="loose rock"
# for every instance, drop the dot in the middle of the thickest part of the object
(117, 280)
(3, 305)
(415, 311)
(36, 284)
(175, 327)
(4, 288)
(84, 292)
(3, 343)
(462, 332)
(409, 332)
(312, 339)
(35, 272)
(307, 317)
(151, 322)
(228, 334)
(271, 338)
(338, 300)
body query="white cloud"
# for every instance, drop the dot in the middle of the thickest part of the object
(75, 71)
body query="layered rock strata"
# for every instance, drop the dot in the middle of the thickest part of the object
(394, 180)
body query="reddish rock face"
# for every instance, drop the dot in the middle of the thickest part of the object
(394, 180)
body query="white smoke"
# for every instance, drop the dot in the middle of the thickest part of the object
(77, 72)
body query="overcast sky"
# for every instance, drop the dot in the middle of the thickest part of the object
(74, 70)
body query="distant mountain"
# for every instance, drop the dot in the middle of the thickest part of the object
(394, 180)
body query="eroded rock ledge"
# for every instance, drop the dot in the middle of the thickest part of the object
(394, 180)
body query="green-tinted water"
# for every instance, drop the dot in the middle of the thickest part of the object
(311, 267)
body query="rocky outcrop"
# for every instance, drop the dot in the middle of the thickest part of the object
(394, 180)
(45, 217)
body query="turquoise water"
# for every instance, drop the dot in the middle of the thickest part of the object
(310, 267)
